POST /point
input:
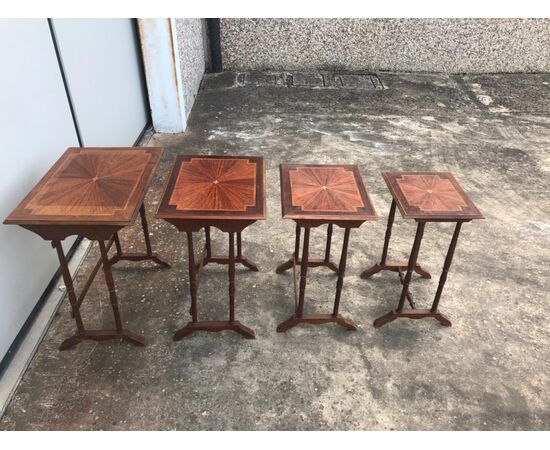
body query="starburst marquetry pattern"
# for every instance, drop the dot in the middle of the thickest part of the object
(433, 196)
(210, 184)
(91, 184)
(431, 193)
(325, 192)
(327, 189)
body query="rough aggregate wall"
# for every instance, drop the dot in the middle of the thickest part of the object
(423, 45)
(193, 56)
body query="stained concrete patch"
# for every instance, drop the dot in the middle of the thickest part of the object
(518, 93)
(490, 370)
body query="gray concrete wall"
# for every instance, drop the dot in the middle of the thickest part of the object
(425, 45)
(193, 56)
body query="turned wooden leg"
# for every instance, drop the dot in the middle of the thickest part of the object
(329, 243)
(116, 240)
(145, 226)
(110, 285)
(192, 276)
(446, 267)
(394, 314)
(213, 325)
(378, 267)
(208, 243)
(341, 271)
(288, 264)
(383, 264)
(299, 316)
(231, 277)
(239, 258)
(312, 262)
(83, 334)
(412, 262)
(303, 273)
(67, 279)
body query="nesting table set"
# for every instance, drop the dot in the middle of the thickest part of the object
(95, 192)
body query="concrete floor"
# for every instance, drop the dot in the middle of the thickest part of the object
(490, 370)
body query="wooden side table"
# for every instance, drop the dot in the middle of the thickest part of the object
(424, 197)
(313, 195)
(225, 192)
(92, 192)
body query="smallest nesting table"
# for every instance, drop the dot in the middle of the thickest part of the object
(225, 192)
(424, 197)
(313, 195)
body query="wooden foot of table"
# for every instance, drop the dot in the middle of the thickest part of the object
(312, 262)
(393, 267)
(225, 260)
(317, 319)
(102, 335)
(412, 314)
(214, 326)
(139, 257)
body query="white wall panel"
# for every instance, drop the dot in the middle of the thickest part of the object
(36, 127)
(102, 64)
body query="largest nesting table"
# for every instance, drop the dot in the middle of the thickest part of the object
(225, 192)
(92, 192)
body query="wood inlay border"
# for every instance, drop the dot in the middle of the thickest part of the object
(215, 184)
(324, 189)
(90, 185)
(434, 196)
(169, 208)
(354, 203)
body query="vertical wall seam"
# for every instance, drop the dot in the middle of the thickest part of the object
(65, 82)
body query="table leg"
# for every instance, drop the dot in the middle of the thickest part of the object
(121, 332)
(335, 317)
(290, 263)
(148, 255)
(212, 325)
(383, 265)
(208, 242)
(231, 277)
(303, 273)
(67, 279)
(95, 335)
(418, 313)
(93, 274)
(347, 323)
(443, 278)
(312, 262)
(116, 239)
(240, 259)
(394, 314)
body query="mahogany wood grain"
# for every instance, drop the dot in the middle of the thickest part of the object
(434, 196)
(215, 187)
(424, 197)
(90, 186)
(224, 192)
(92, 192)
(314, 195)
(324, 192)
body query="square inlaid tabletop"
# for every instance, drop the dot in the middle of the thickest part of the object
(215, 187)
(324, 192)
(430, 196)
(90, 186)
